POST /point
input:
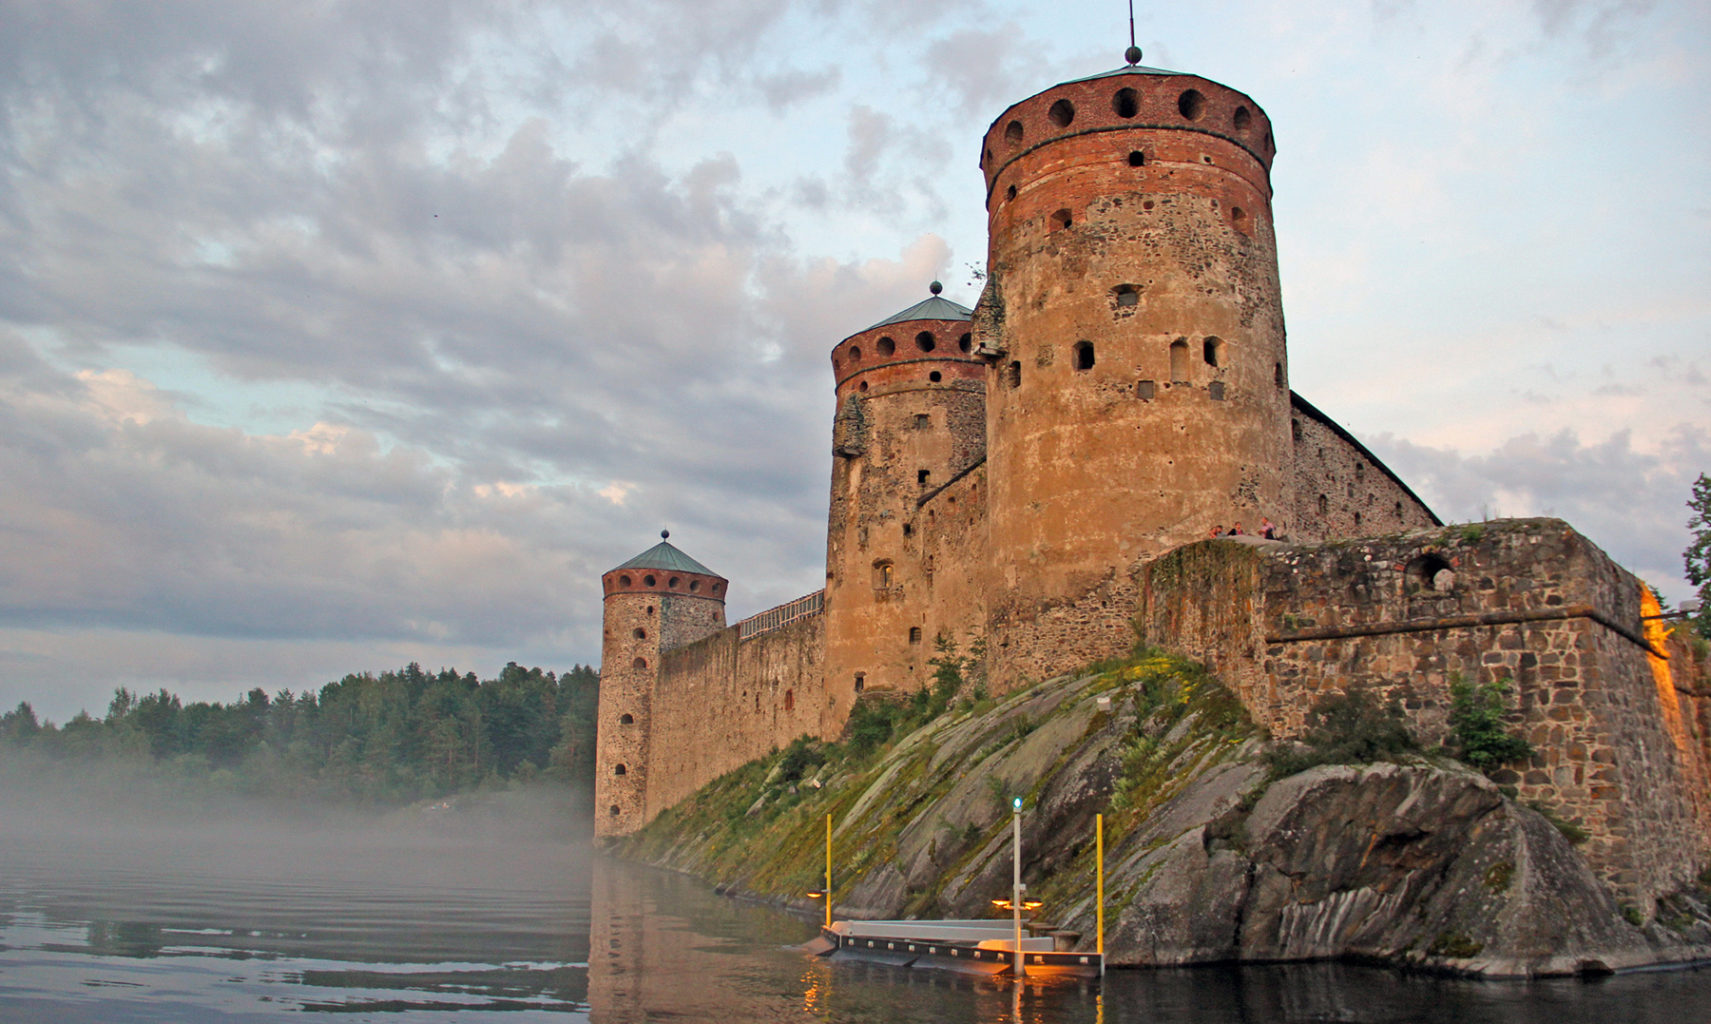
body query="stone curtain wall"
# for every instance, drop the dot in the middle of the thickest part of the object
(1529, 601)
(720, 703)
(1340, 488)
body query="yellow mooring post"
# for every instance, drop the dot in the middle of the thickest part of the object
(829, 872)
(1016, 880)
(1099, 894)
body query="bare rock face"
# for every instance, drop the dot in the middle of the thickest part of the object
(1415, 864)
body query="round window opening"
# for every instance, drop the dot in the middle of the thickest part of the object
(935, 376)
(1191, 104)
(1062, 113)
(1126, 103)
(925, 341)
(647, 581)
(887, 346)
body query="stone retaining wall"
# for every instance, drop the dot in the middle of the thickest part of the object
(1621, 749)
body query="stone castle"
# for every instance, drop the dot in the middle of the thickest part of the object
(1036, 479)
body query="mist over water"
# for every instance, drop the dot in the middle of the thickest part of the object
(126, 903)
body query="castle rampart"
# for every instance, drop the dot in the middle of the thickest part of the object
(721, 702)
(1527, 602)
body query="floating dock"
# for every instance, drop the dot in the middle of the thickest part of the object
(981, 947)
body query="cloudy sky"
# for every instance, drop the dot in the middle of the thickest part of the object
(338, 335)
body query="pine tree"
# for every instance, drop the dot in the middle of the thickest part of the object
(1698, 554)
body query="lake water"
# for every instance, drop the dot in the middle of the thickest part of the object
(506, 917)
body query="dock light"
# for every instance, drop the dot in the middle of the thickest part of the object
(1016, 803)
(815, 894)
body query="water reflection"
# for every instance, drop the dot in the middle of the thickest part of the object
(202, 923)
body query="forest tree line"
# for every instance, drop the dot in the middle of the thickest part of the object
(388, 738)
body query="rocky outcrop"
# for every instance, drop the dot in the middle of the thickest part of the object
(1207, 858)
(1414, 863)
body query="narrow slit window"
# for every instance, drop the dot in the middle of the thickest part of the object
(1179, 361)
(1084, 355)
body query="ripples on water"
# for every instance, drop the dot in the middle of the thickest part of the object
(501, 915)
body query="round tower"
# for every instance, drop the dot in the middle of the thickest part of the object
(911, 418)
(654, 602)
(1138, 388)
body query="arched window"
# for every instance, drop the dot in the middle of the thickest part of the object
(1179, 361)
(1013, 374)
(790, 700)
(1013, 133)
(1209, 350)
(626, 719)
(640, 634)
(914, 634)
(639, 663)
(619, 769)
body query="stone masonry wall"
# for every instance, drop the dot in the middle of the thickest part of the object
(719, 703)
(1620, 750)
(1341, 489)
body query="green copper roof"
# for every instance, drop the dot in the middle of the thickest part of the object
(666, 558)
(934, 308)
(1134, 69)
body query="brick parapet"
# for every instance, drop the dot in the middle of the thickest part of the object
(1097, 108)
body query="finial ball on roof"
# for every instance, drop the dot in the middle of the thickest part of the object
(663, 534)
(935, 287)
(1132, 55)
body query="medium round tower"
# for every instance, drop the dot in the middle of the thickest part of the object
(656, 601)
(1138, 388)
(911, 418)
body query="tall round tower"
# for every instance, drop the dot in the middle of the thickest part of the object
(654, 602)
(911, 417)
(1138, 388)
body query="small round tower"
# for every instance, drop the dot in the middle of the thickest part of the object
(656, 601)
(911, 418)
(1138, 387)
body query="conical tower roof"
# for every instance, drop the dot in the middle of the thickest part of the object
(666, 557)
(934, 307)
